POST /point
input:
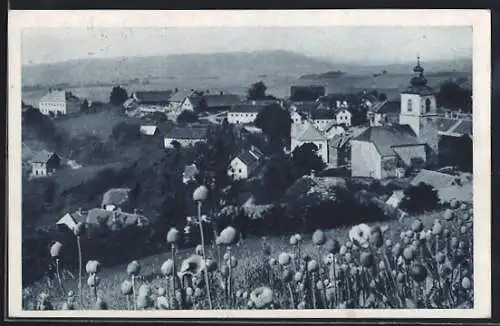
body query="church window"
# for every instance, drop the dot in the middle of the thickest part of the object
(409, 105)
(427, 105)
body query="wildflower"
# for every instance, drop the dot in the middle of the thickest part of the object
(448, 214)
(366, 259)
(319, 238)
(343, 250)
(466, 283)
(173, 236)
(229, 236)
(286, 276)
(92, 266)
(360, 235)
(133, 268)
(329, 259)
(298, 237)
(284, 259)
(332, 246)
(189, 291)
(293, 240)
(312, 266)
(200, 194)
(419, 273)
(198, 293)
(262, 297)
(273, 262)
(167, 268)
(226, 256)
(192, 265)
(145, 290)
(440, 258)
(348, 257)
(93, 280)
(55, 250)
(161, 292)
(126, 287)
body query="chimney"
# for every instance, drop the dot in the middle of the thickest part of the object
(176, 90)
(338, 104)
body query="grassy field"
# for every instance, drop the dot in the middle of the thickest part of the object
(252, 263)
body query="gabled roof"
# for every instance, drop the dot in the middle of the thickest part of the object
(334, 124)
(153, 96)
(191, 132)
(332, 98)
(195, 100)
(180, 96)
(386, 107)
(385, 137)
(42, 156)
(59, 96)
(249, 157)
(221, 100)
(247, 108)
(148, 130)
(305, 107)
(322, 115)
(115, 196)
(436, 179)
(338, 141)
(306, 132)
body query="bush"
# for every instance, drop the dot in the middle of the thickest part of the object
(187, 116)
(420, 198)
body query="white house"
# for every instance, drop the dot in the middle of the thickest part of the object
(382, 152)
(178, 98)
(384, 113)
(59, 103)
(322, 118)
(297, 118)
(308, 133)
(185, 136)
(243, 114)
(343, 116)
(245, 164)
(44, 163)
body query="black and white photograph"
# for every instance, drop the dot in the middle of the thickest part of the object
(241, 164)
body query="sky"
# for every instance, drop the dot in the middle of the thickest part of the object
(348, 44)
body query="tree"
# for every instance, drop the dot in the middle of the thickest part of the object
(257, 91)
(305, 159)
(275, 123)
(187, 116)
(124, 132)
(382, 97)
(277, 176)
(452, 96)
(118, 96)
(420, 198)
(84, 107)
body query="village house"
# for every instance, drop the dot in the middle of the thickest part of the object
(384, 113)
(59, 102)
(210, 102)
(297, 118)
(186, 135)
(308, 133)
(322, 118)
(44, 164)
(178, 97)
(367, 99)
(343, 116)
(152, 101)
(245, 163)
(304, 108)
(337, 101)
(382, 152)
(243, 114)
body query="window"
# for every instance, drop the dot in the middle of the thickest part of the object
(320, 146)
(239, 170)
(427, 105)
(409, 105)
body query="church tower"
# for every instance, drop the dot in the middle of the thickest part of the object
(418, 101)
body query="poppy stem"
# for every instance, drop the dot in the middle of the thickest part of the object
(128, 302)
(133, 292)
(291, 295)
(172, 295)
(79, 270)
(229, 278)
(313, 290)
(207, 284)
(59, 276)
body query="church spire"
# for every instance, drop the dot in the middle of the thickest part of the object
(418, 79)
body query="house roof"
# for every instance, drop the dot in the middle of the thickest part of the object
(419, 89)
(305, 107)
(385, 137)
(386, 107)
(115, 196)
(337, 141)
(191, 132)
(59, 96)
(463, 128)
(436, 179)
(153, 96)
(42, 156)
(444, 124)
(249, 157)
(306, 132)
(332, 98)
(98, 216)
(180, 96)
(323, 115)
(247, 108)
(334, 124)
(148, 130)
(221, 100)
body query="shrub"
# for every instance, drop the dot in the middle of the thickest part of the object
(420, 198)
(187, 116)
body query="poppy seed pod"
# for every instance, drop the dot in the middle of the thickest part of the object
(161, 292)
(319, 238)
(381, 265)
(366, 259)
(229, 236)
(273, 262)
(293, 240)
(437, 229)
(329, 259)
(162, 302)
(348, 257)
(376, 238)
(297, 277)
(126, 287)
(79, 229)
(400, 277)
(448, 214)
(388, 243)
(312, 266)
(189, 291)
(173, 236)
(348, 244)
(55, 250)
(417, 226)
(233, 262)
(343, 250)
(419, 273)
(284, 259)
(466, 283)
(262, 297)
(145, 290)
(134, 268)
(397, 250)
(226, 256)
(200, 193)
(167, 268)
(332, 246)
(211, 265)
(198, 293)
(93, 280)
(409, 234)
(440, 258)
(408, 253)
(92, 266)
(286, 276)
(319, 285)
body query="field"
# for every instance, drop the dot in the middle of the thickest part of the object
(417, 275)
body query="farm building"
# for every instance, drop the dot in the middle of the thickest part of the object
(243, 114)
(308, 133)
(382, 152)
(209, 102)
(245, 163)
(44, 164)
(395, 199)
(114, 220)
(59, 102)
(186, 136)
(115, 198)
(335, 129)
(178, 97)
(152, 101)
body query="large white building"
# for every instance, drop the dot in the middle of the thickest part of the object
(243, 114)
(308, 133)
(59, 102)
